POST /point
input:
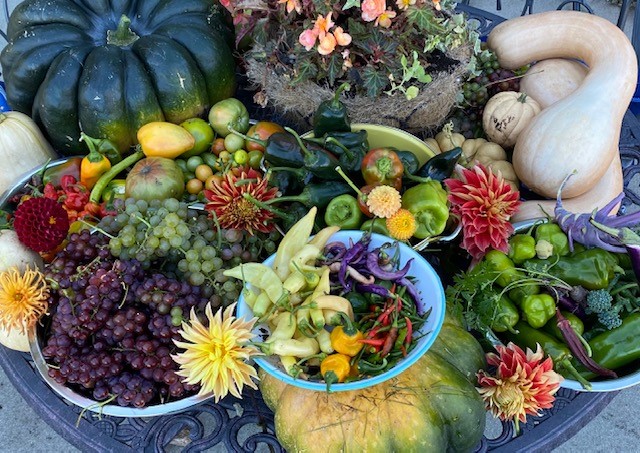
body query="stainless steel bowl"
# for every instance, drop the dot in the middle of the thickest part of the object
(36, 340)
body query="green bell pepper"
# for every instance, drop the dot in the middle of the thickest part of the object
(502, 264)
(505, 315)
(115, 189)
(428, 204)
(332, 115)
(376, 225)
(521, 248)
(552, 233)
(343, 211)
(537, 309)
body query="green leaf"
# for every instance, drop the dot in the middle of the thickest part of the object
(411, 92)
(356, 29)
(305, 70)
(424, 20)
(334, 68)
(374, 81)
(350, 4)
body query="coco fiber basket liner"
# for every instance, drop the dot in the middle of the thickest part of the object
(297, 103)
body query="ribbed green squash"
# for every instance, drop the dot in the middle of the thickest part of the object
(431, 407)
(107, 67)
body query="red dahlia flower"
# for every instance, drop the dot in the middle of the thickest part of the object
(232, 210)
(523, 385)
(484, 203)
(41, 223)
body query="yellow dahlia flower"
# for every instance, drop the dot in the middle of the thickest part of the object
(23, 298)
(216, 356)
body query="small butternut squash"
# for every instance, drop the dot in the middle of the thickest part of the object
(22, 148)
(581, 131)
(550, 80)
(506, 114)
(607, 188)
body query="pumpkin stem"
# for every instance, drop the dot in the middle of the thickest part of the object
(122, 36)
(522, 98)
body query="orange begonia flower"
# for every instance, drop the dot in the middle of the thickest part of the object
(372, 9)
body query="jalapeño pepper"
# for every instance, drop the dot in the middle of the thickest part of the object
(332, 115)
(552, 233)
(316, 159)
(521, 248)
(537, 309)
(343, 211)
(428, 204)
(316, 194)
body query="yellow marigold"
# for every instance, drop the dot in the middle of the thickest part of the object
(215, 356)
(402, 225)
(23, 298)
(384, 201)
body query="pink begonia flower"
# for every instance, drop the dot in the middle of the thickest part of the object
(327, 44)
(404, 4)
(372, 9)
(342, 38)
(291, 5)
(384, 19)
(308, 38)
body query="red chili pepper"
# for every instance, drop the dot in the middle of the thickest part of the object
(50, 191)
(389, 341)
(407, 339)
(372, 341)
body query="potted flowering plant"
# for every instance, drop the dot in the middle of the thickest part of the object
(404, 59)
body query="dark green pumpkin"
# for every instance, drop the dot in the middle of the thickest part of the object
(107, 67)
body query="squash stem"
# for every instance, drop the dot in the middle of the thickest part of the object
(122, 36)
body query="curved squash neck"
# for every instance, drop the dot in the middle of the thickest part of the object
(122, 36)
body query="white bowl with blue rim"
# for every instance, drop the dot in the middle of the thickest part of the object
(431, 295)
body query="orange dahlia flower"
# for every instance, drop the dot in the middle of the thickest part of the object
(484, 203)
(523, 385)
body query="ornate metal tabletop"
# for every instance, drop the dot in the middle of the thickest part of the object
(247, 424)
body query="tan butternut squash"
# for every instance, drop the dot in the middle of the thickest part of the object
(581, 131)
(550, 80)
(607, 188)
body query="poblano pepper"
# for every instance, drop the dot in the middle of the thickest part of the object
(316, 159)
(590, 268)
(440, 166)
(343, 211)
(521, 247)
(537, 309)
(553, 233)
(409, 160)
(316, 194)
(332, 115)
(616, 348)
(428, 203)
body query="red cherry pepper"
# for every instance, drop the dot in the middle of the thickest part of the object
(383, 166)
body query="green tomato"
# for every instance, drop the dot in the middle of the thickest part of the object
(233, 142)
(229, 112)
(193, 162)
(202, 132)
(255, 159)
